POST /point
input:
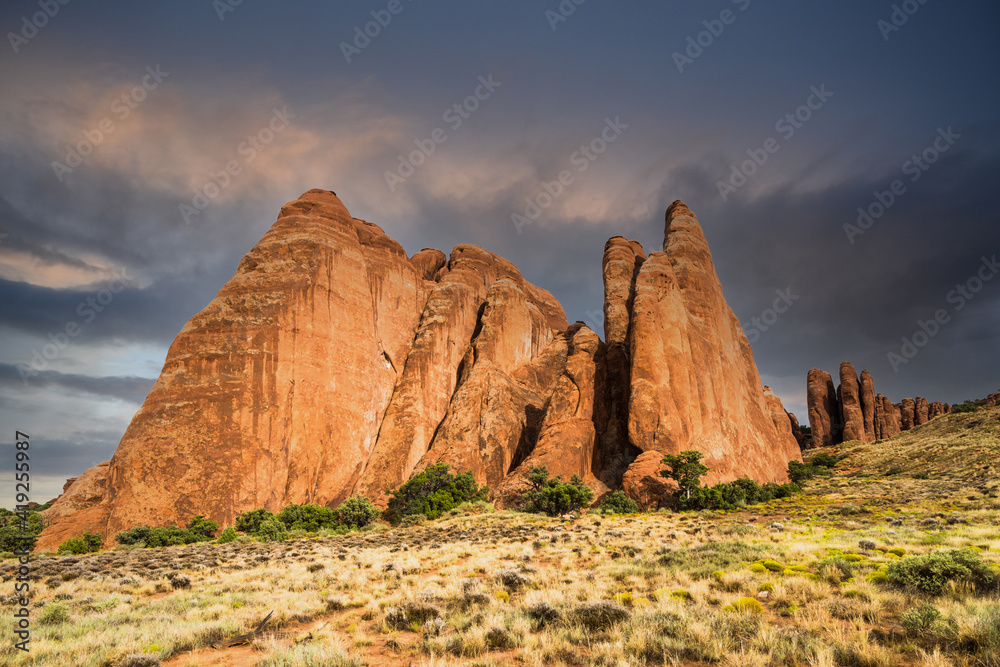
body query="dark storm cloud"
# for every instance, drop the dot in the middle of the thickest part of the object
(129, 389)
(782, 231)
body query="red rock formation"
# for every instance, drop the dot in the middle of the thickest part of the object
(890, 425)
(800, 437)
(80, 508)
(867, 390)
(849, 394)
(644, 484)
(568, 433)
(867, 416)
(332, 364)
(694, 384)
(824, 410)
(907, 414)
(428, 262)
(784, 422)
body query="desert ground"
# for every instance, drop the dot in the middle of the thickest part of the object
(797, 581)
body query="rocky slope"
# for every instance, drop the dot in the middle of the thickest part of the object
(332, 364)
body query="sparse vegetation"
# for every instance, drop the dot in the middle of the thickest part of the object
(856, 569)
(552, 496)
(433, 492)
(87, 543)
(619, 503)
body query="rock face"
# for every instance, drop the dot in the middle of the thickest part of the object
(921, 411)
(890, 414)
(851, 411)
(694, 384)
(333, 364)
(869, 406)
(907, 414)
(824, 408)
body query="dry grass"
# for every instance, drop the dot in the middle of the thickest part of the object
(651, 589)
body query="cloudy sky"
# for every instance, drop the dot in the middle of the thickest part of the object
(145, 147)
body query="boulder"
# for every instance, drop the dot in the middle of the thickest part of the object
(643, 483)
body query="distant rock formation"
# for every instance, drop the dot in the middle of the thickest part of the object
(853, 411)
(824, 408)
(332, 364)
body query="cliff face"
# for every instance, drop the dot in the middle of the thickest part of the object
(332, 364)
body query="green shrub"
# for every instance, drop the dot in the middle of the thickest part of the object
(733, 495)
(748, 606)
(228, 535)
(619, 503)
(271, 530)
(824, 460)
(53, 613)
(931, 573)
(13, 530)
(309, 517)
(203, 527)
(800, 472)
(357, 512)
(920, 619)
(433, 492)
(164, 536)
(249, 522)
(88, 543)
(553, 496)
(73, 545)
(773, 565)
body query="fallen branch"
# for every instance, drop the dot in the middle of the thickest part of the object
(244, 638)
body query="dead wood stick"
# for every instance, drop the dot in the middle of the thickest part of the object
(244, 638)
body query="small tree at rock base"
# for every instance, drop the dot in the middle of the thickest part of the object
(554, 496)
(685, 468)
(432, 492)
